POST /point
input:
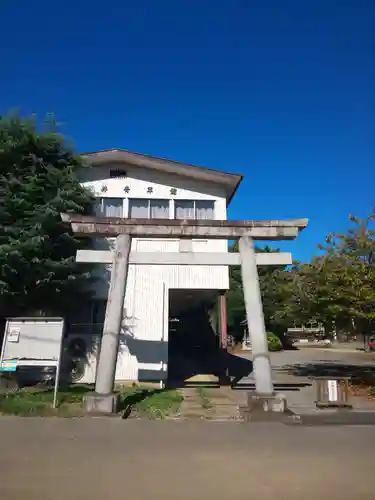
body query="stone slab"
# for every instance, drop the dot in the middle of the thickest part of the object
(104, 404)
(265, 407)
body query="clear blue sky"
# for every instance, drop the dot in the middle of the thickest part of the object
(281, 91)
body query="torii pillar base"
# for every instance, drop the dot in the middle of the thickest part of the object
(103, 404)
(265, 408)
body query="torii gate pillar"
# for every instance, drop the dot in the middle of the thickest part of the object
(105, 400)
(255, 318)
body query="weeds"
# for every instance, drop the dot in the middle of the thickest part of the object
(204, 398)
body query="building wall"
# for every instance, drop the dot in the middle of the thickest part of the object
(138, 181)
(143, 349)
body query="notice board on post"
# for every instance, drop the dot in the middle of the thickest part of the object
(33, 339)
(33, 342)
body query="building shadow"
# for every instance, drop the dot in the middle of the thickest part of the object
(357, 373)
(194, 350)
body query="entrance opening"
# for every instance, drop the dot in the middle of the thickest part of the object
(193, 342)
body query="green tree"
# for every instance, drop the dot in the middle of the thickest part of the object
(38, 181)
(276, 284)
(337, 288)
(235, 303)
(235, 300)
(356, 249)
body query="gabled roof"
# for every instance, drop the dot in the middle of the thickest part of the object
(228, 181)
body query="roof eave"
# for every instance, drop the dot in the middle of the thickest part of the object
(228, 180)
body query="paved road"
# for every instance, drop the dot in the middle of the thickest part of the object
(113, 459)
(302, 400)
(317, 355)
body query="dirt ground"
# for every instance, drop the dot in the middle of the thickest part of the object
(110, 458)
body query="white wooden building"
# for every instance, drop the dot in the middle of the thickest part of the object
(128, 184)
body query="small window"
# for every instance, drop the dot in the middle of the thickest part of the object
(117, 172)
(204, 209)
(109, 207)
(141, 208)
(194, 209)
(184, 209)
(138, 209)
(159, 209)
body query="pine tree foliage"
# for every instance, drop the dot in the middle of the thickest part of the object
(38, 181)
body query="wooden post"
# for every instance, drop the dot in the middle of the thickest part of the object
(223, 327)
(255, 319)
(103, 400)
(224, 378)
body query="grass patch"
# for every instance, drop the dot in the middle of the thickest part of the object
(38, 402)
(204, 398)
(150, 403)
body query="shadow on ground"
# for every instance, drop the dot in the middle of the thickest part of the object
(279, 387)
(357, 373)
(228, 368)
(129, 401)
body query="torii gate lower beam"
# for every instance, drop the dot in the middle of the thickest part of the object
(104, 400)
(185, 258)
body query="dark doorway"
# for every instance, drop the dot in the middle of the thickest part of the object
(193, 343)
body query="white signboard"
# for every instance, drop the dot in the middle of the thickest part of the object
(33, 342)
(332, 390)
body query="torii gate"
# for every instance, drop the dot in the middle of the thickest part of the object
(104, 400)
